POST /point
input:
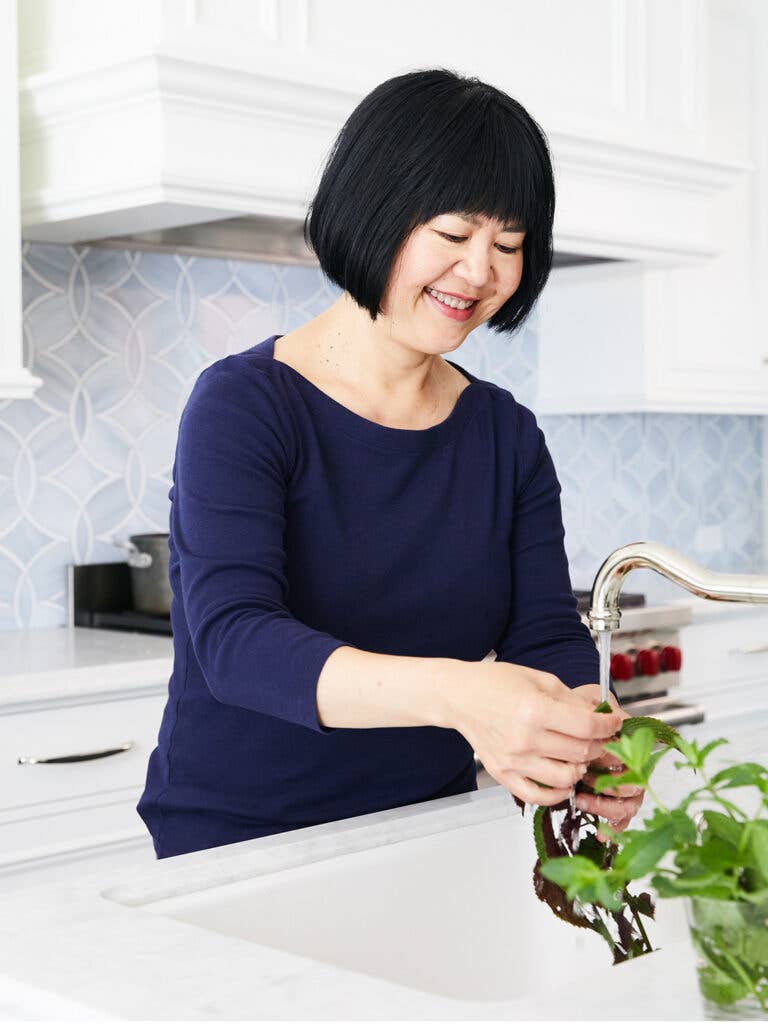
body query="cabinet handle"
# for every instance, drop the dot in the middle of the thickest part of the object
(70, 758)
(760, 649)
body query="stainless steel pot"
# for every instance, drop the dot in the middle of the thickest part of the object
(148, 559)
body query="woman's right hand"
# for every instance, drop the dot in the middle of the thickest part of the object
(527, 728)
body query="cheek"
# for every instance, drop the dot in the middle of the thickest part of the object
(515, 274)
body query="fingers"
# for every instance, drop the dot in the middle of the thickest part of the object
(576, 719)
(612, 808)
(558, 774)
(568, 748)
(625, 791)
(618, 826)
(605, 759)
(531, 792)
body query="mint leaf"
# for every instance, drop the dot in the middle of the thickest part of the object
(758, 851)
(754, 945)
(720, 988)
(607, 780)
(724, 827)
(604, 708)
(583, 880)
(694, 880)
(662, 732)
(643, 851)
(748, 773)
(718, 855)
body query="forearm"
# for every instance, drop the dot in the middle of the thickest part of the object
(363, 690)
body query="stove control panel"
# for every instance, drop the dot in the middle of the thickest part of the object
(645, 662)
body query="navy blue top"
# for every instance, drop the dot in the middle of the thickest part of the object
(297, 527)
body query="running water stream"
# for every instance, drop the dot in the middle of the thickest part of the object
(604, 640)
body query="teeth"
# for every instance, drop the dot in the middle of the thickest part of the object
(449, 300)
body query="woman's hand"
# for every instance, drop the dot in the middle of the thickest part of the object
(528, 731)
(621, 803)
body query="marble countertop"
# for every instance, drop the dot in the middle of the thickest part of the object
(704, 609)
(94, 944)
(69, 661)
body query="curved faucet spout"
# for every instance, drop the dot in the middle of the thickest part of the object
(604, 614)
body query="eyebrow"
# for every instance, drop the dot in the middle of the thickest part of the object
(515, 226)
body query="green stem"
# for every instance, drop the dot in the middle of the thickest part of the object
(742, 842)
(658, 802)
(744, 977)
(708, 787)
(601, 928)
(636, 914)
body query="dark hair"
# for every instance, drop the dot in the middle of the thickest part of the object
(421, 144)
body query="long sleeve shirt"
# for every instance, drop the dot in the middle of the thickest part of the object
(298, 526)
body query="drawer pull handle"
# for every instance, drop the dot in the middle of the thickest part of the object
(70, 758)
(760, 649)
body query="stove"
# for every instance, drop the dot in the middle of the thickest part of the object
(101, 597)
(646, 658)
(645, 652)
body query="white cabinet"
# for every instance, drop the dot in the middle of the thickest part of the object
(54, 813)
(635, 337)
(15, 380)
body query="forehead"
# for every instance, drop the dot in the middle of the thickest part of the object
(479, 219)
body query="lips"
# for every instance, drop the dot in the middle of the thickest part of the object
(457, 295)
(449, 311)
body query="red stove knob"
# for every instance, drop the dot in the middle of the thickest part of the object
(648, 662)
(671, 659)
(622, 666)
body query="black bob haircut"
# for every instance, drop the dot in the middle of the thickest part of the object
(421, 144)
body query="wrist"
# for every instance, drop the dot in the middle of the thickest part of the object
(458, 682)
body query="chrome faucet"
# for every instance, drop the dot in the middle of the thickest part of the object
(604, 615)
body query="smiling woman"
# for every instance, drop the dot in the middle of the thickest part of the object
(357, 522)
(493, 176)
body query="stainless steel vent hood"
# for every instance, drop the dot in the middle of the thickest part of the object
(265, 239)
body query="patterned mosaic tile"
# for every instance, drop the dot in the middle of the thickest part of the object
(119, 338)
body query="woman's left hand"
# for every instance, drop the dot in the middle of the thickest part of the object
(621, 803)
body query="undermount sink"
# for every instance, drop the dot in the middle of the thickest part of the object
(451, 913)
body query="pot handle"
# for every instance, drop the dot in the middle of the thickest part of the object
(136, 559)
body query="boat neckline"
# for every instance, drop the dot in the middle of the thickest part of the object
(377, 433)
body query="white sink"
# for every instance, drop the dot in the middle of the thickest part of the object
(452, 913)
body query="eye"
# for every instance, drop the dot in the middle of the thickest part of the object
(505, 250)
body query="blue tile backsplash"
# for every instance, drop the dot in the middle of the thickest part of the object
(119, 337)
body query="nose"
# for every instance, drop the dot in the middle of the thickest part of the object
(476, 265)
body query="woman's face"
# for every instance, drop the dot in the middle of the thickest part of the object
(465, 255)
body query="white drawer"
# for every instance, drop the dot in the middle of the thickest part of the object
(716, 653)
(62, 836)
(31, 790)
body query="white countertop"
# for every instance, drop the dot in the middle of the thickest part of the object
(703, 609)
(117, 954)
(68, 661)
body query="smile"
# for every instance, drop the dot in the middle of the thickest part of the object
(450, 300)
(454, 309)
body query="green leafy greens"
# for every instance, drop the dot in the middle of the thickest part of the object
(719, 854)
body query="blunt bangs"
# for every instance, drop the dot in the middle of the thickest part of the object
(419, 145)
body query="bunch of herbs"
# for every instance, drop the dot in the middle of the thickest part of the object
(719, 853)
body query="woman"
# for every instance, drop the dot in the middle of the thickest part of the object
(356, 522)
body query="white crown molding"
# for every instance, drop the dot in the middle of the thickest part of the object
(17, 382)
(151, 173)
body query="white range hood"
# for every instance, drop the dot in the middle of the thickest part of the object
(113, 153)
